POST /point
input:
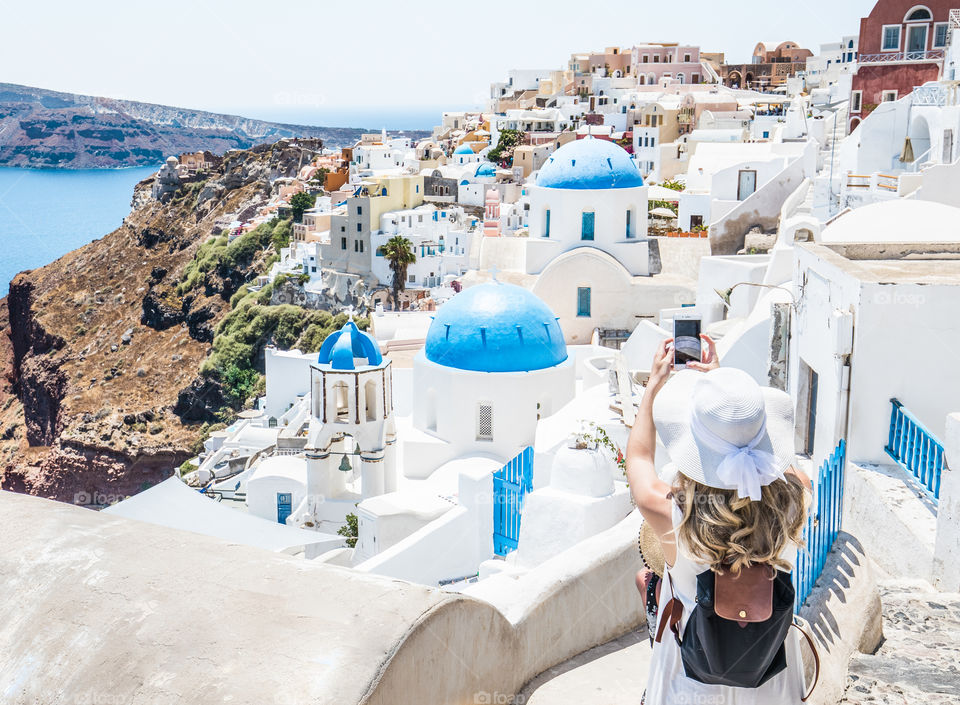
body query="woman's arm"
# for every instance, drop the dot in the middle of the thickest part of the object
(648, 490)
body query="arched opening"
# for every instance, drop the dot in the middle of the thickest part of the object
(342, 402)
(643, 80)
(854, 124)
(748, 80)
(918, 13)
(680, 78)
(370, 400)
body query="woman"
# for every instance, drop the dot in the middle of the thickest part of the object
(735, 502)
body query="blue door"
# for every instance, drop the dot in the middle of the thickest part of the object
(284, 500)
(510, 485)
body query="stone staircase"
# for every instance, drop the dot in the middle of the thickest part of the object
(919, 659)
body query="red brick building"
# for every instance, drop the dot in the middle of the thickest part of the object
(902, 45)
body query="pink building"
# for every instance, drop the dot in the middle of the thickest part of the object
(651, 62)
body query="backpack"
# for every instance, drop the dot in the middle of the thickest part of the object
(735, 636)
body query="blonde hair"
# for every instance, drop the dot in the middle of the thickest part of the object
(724, 530)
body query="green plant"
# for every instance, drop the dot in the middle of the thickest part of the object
(503, 152)
(597, 435)
(186, 467)
(349, 530)
(399, 252)
(300, 202)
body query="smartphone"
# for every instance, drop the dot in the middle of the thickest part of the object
(686, 340)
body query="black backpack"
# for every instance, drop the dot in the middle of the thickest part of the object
(735, 636)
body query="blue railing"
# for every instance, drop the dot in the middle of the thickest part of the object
(510, 485)
(915, 449)
(822, 526)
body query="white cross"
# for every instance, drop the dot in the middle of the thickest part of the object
(493, 272)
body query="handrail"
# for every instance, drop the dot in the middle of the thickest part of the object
(915, 449)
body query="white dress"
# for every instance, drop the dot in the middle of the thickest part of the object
(667, 684)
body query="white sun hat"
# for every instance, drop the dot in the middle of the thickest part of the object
(724, 430)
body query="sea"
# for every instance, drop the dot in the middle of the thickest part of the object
(46, 213)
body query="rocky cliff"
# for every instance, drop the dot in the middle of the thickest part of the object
(41, 128)
(99, 387)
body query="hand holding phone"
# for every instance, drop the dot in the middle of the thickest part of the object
(686, 340)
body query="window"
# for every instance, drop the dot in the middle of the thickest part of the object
(694, 78)
(917, 37)
(546, 223)
(656, 58)
(343, 243)
(361, 245)
(686, 58)
(359, 210)
(696, 221)
(417, 187)
(940, 35)
(889, 96)
(766, 134)
(891, 38)
(359, 228)
(653, 141)
(586, 225)
(484, 421)
(646, 59)
(411, 279)
(680, 77)
(856, 101)
(583, 302)
(356, 245)
(918, 15)
(629, 223)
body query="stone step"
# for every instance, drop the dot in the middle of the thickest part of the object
(919, 659)
(614, 673)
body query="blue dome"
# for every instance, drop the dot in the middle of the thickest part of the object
(590, 163)
(495, 327)
(485, 169)
(463, 149)
(340, 348)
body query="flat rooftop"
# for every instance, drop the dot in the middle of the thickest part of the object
(894, 263)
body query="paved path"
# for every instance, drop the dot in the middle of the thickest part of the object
(919, 660)
(614, 673)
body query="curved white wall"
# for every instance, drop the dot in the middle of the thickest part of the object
(610, 208)
(447, 402)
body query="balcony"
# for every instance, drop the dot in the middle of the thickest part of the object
(935, 96)
(901, 57)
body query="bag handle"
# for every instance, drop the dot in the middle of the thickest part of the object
(671, 614)
(816, 657)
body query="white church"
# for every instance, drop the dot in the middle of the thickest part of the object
(587, 254)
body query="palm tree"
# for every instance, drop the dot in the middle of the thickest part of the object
(399, 250)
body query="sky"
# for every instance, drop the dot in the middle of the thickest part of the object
(334, 63)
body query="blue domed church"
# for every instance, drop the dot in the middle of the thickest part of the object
(494, 363)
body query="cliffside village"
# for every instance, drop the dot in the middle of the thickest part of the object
(803, 205)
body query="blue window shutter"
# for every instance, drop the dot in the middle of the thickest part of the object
(586, 231)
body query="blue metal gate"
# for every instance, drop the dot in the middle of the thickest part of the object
(284, 500)
(822, 525)
(510, 484)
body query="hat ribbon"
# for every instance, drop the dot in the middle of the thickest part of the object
(745, 469)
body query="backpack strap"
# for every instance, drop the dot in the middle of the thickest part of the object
(670, 615)
(816, 657)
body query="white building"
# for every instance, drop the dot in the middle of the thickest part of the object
(495, 362)
(349, 415)
(440, 238)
